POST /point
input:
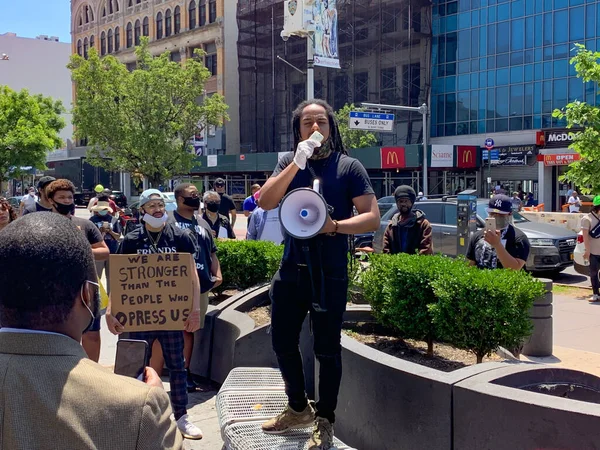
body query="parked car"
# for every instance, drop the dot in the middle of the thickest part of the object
(15, 202)
(119, 198)
(385, 204)
(580, 265)
(551, 246)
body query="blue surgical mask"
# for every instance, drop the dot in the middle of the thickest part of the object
(103, 212)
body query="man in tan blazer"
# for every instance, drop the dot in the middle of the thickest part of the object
(51, 395)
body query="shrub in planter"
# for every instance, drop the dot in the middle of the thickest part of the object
(478, 310)
(399, 289)
(247, 263)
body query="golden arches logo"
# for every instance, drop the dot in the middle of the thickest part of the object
(392, 158)
(468, 156)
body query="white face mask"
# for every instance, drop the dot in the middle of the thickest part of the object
(155, 222)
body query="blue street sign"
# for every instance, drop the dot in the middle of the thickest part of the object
(489, 143)
(359, 120)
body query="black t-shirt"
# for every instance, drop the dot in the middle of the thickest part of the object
(226, 205)
(206, 247)
(91, 231)
(172, 240)
(221, 221)
(342, 179)
(36, 208)
(111, 242)
(484, 255)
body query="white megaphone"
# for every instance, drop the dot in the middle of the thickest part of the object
(303, 212)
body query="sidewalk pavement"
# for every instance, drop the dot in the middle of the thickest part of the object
(576, 332)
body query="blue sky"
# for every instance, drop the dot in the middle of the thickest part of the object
(30, 18)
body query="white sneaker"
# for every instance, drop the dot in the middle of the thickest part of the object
(188, 429)
(594, 298)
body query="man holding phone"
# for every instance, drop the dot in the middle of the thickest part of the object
(500, 244)
(45, 369)
(158, 236)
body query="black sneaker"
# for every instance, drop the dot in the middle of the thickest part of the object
(191, 384)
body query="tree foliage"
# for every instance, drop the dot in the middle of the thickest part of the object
(141, 121)
(29, 128)
(578, 114)
(353, 138)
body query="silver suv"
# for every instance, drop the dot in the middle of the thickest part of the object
(551, 246)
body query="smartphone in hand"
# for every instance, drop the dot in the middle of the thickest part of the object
(132, 358)
(490, 224)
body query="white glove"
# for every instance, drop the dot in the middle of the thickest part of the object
(304, 151)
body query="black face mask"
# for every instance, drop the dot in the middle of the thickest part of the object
(64, 209)
(192, 202)
(213, 206)
(221, 194)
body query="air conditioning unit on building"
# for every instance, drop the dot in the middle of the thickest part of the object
(298, 18)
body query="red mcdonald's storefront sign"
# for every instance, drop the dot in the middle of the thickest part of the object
(393, 158)
(467, 157)
(562, 159)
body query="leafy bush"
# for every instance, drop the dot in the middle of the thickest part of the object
(247, 263)
(399, 290)
(478, 310)
(435, 297)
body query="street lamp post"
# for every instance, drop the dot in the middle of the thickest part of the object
(423, 110)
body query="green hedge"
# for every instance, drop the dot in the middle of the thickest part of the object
(247, 263)
(444, 299)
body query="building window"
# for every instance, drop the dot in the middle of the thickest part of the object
(175, 56)
(298, 94)
(411, 84)
(202, 9)
(129, 35)
(110, 41)
(389, 86)
(130, 3)
(110, 7)
(104, 11)
(137, 32)
(117, 39)
(192, 14)
(146, 27)
(159, 26)
(361, 87)
(79, 47)
(212, 11)
(340, 92)
(211, 64)
(116, 5)
(168, 28)
(85, 48)
(92, 41)
(88, 14)
(103, 43)
(319, 89)
(177, 20)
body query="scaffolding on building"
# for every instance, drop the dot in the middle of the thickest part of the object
(385, 54)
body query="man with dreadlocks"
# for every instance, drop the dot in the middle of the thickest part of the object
(314, 271)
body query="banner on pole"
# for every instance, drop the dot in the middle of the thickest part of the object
(326, 32)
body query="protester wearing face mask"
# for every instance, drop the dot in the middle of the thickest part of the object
(158, 235)
(506, 247)
(61, 196)
(42, 204)
(219, 224)
(52, 395)
(28, 200)
(408, 231)
(111, 230)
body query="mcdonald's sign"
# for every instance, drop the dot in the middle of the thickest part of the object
(467, 157)
(393, 158)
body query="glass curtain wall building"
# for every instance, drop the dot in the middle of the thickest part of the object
(499, 69)
(501, 65)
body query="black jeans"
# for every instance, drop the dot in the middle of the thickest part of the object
(594, 267)
(291, 298)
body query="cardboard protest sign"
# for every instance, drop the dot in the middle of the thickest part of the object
(151, 292)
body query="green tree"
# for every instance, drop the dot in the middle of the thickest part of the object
(29, 128)
(353, 138)
(578, 114)
(141, 121)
